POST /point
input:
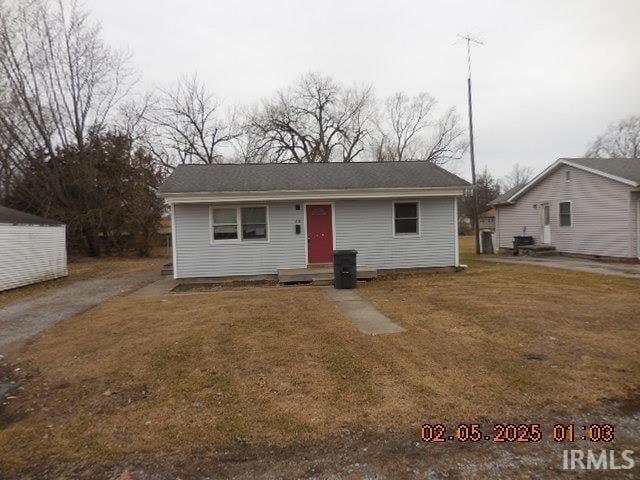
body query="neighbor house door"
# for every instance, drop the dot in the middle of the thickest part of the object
(319, 233)
(546, 224)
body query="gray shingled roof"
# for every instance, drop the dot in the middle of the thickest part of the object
(628, 168)
(307, 176)
(16, 217)
(502, 199)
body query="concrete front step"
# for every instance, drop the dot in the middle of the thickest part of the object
(320, 275)
(537, 251)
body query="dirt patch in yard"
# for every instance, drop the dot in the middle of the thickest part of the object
(272, 382)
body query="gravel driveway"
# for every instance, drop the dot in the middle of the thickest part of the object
(21, 320)
(629, 270)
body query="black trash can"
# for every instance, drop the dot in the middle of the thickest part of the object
(345, 274)
(521, 241)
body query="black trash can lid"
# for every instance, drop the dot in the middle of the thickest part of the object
(345, 252)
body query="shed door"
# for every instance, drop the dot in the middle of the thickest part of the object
(319, 234)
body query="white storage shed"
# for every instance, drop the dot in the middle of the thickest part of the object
(32, 249)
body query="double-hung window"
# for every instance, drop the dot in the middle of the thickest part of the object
(239, 223)
(254, 223)
(405, 218)
(565, 214)
(225, 223)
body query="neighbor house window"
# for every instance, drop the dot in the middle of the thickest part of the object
(567, 175)
(565, 214)
(239, 223)
(405, 218)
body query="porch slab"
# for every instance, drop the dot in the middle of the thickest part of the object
(320, 274)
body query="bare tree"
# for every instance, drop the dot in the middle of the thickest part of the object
(62, 78)
(60, 83)
(407, 129)
(191, 125)
(248, 147)
(356, 122)
(318, 120)
(621, 140)
(519, 175)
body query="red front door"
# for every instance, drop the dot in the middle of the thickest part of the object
(319, 234)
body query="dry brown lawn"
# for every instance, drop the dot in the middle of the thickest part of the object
(176, 374)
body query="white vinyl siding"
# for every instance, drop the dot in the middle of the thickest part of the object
(634, 220)
(367, 226)
(600, 214)
(31, 253)
(197, 256)
(363, 225)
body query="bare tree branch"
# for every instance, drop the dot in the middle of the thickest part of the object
(63, 79)
(621, 140)
(192, 127)
(317, 120)
(519, 175)
(407, 130)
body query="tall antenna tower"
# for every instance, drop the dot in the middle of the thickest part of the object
(476, 222)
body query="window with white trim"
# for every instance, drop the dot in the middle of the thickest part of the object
(225, 223)
(239, 223)
(254, 223)
(405, 218)
(564, 214)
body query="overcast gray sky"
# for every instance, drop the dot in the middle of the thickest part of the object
(550, 77)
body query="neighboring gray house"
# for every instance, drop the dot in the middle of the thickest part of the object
(251, 219)
(32, 249)
(586, 206)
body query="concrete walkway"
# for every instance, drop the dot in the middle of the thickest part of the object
(21, 320)
(628, 270)
(362, 313)
(159, 287)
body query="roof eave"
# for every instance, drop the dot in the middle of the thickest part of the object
(501, 204)
(197, 197)
(627, 181)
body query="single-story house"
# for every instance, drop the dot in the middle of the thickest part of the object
(33, 249)
(254, 219)
(583, 206)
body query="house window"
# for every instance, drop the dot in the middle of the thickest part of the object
(565, 214)
(567, 175)
(225, 223)
(254, 223)
(405, 218)
(239, 223)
